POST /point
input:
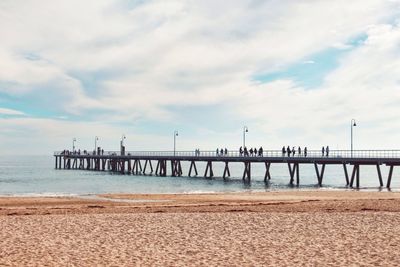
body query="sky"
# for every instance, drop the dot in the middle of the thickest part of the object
(294, 72)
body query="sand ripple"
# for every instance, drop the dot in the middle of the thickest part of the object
(202, 239)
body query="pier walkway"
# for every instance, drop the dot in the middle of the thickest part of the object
(163, 163)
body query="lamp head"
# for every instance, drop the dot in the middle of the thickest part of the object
(354, 124)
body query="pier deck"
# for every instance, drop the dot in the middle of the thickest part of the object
(169, 163)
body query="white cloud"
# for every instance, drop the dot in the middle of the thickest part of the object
(12, 112)
(164, 54)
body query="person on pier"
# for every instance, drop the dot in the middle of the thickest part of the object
(217, 152)
(305, 152)
(323, 151)
(288, 151)
(283, 151)
(246, 153)
(226, 151)
(261, 152)
(221, 152)
(299, 151)
(241, 151)
(251, 152)
(255, 152)
(327, 151)
(293, 151)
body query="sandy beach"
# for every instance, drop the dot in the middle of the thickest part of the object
(314, 228)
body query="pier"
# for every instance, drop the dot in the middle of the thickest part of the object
(164, 163)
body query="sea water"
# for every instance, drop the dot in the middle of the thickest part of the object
(36, 176)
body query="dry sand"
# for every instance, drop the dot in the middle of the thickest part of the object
(314, 228)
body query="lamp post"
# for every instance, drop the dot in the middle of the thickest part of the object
(352, 124)
(122, 140)
(175, 135)
(245, 130)
(73, 144)
(95, 144)
(122, 149)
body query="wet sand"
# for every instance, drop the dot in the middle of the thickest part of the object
(337, 228)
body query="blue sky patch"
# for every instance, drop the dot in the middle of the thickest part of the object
(311, 71)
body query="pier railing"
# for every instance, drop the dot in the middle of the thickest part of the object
(364, 154)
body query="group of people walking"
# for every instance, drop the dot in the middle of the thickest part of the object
(292, 152)
(252, 152)
(222, 152)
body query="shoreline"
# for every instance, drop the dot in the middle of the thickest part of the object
(199, 192)
(288, 201)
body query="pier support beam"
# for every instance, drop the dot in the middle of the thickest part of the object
(145, 166)
(176, 168)
(226, 170)
(378, 169)
(294, 171)
(137, 167)
(355, 175)
(147, 162)
(104, 162)
(161, 169)
(209, 171)
(122, 166)
(192, 165)
(158, 167)
(320, 175)
(346, 174)
(267, 173)
(129, 166)
(247, 171)
(88, 163)
(389, 180)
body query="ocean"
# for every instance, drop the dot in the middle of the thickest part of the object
(36, 176)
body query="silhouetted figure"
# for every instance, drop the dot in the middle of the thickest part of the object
(261, 152)
(221, 152)
(283, 151)
(288, 151)
(240, 151)
(255, 151)
(251, 152)
(217, 152)
(299, 151)
(293, 151)
(246, 153)
(226, 151)
(323, 151)
(327, 151)
(305, 152)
